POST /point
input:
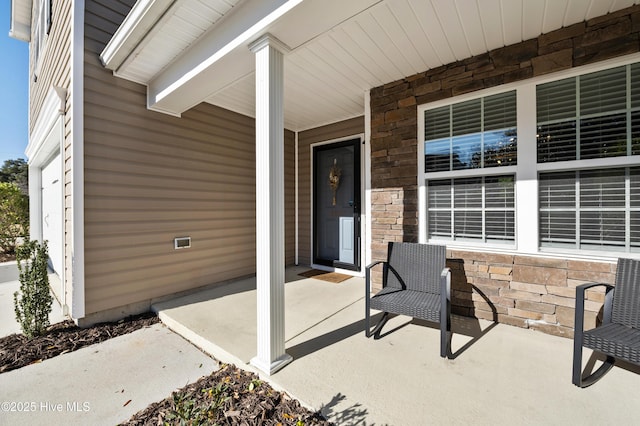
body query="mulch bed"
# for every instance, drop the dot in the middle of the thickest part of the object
(229, 396)
(4, 257)
(17, 350)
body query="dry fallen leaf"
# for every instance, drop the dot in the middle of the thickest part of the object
(126, 403)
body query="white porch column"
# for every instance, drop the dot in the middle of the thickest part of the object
(270, 204)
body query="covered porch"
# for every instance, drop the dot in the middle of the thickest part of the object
(501, 374)
(295, 66)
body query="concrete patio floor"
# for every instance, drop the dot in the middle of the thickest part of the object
(501, 374)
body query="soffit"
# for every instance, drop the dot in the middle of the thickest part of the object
(181, 24)
(326, 75)
(20, 19)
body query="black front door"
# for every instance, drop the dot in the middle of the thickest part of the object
(336, 204)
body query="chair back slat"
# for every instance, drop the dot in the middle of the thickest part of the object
(415, 266)
(626, 301)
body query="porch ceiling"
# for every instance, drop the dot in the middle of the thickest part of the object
(339, 49)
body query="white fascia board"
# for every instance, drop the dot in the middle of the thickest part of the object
(140, 20)
(240, 28)
(52, 108)
(20, 28)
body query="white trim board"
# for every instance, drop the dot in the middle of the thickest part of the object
(77, 158)
(39, 149)
(45, 143)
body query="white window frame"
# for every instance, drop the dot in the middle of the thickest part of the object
(526, 171)
(41, 29)
(423, 176)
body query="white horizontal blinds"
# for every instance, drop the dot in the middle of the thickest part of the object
(438, 139)
(467, 212)
(472, 209)
(556, 111)
(472, 134)
(500, 134)
(588, 117)
(602, 208)
(634, 90)
(591, 116)
(603, 114)
(499, 208)
(591, 209)
(557, 209)
(466, 143)
(634, 209)
(439, 201)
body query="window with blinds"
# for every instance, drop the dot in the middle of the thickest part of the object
(42, 27)
(590, 116)
(591, 209)
(471, 135)
(472, 209)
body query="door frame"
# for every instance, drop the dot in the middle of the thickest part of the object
(361, 247)
(46, 141)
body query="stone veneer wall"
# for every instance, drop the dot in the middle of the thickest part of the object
(524, 291)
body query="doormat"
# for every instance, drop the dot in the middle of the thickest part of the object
(332, 277)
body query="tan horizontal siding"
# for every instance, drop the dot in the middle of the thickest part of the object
(289, 197)
(329, 132)
(54, 60)
(55, 70)
(150, 177)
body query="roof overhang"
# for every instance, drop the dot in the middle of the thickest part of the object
(220, 57)
(189, 52)
(20, 26)
(141, 19)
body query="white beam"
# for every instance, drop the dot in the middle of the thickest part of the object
(179, 86)
(270, 204)
(219, 58)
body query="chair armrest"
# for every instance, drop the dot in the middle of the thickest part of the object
(445, 294)
(367, 277)
(579, 314)
(371, 265)
(445, 283)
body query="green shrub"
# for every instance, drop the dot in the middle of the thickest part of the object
(14, 217)
(34, 305)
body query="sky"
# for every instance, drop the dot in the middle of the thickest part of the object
(14, 91)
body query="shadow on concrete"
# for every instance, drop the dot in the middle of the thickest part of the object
(208, 292)
(223, 289)
(353, 415)
(469, 327)
(596, 359)
(310, 346)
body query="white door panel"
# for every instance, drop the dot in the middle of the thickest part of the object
(52, 211)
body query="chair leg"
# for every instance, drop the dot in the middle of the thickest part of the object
(367, 321)
(576, 378)
(445, 338)
(593, 377)
(381, 323)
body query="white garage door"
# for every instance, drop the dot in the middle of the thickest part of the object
(52, 211)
